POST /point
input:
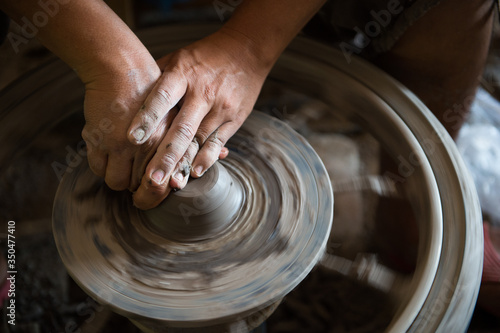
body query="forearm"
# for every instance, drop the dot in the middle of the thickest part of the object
(87, 35)
(271, 25)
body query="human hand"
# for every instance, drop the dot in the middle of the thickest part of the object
(111, 102)
(215, 83)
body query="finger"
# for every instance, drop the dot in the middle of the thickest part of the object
(164, 61)
(150, 194)
(97, 159)
(141, 160)
(211, 149)
(181, 173)
(223, 153)
(154, 185)
(97, 162)
(167, 92)
(147, 150)
(118, 172)
(178, 139)
(208, 126)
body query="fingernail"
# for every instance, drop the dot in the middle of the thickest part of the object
(198, 170)
(179, 176)
(157, 176)
(138, 134)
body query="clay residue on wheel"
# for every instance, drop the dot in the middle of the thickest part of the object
(276, 237)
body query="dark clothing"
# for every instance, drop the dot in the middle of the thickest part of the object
(371, 27)
(4, 26)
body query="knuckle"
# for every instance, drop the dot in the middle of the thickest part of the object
(216, 139)
(228, 105)
(201, 136)
(97, 167)
(185, 131)
(209, 93)
(150, 117)
(213, 143)
(181, 53)
(169, 160)
(85, 133)
(86, 136)
(163, 96)
(195, 144)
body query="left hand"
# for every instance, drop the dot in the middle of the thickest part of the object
(111, 102)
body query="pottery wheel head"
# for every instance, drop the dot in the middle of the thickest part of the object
(202, 210)
(229, 245)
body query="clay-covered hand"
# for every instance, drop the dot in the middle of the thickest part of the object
(206, 91)
(111, 102)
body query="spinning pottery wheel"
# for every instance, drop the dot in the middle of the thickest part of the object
(440, 294)
(218, 255)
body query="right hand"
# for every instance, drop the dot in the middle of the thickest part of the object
(215, 83)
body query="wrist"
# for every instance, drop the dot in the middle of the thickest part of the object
(247, 50)
(121, 64)
(269, 26)
(136, 70)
